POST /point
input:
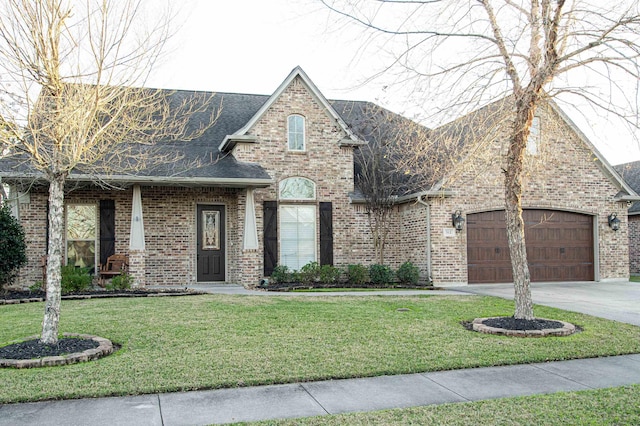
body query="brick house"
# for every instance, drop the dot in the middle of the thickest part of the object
(630, 172)
(275, 185)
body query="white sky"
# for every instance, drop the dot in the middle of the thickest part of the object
(250, 46)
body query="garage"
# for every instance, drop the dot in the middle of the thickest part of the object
(559, 246)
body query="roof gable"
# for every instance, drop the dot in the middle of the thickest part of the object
(469, 127)
(297, 72)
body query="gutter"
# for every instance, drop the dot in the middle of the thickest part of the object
(411, 197)
(160, 181)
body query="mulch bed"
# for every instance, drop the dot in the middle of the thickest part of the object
(305, 286)
(510, 326)
(511, 323)
(35, 349)
(23, 296)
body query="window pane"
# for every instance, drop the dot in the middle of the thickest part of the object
(297, 236)
(296, 132)
(81, 222)
(534, 137)
(297, 189)
(81, 253)
(81, 231)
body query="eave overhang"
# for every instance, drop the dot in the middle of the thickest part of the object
(439, 193)
(125, 180)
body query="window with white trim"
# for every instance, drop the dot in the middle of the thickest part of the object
(297, 235)
(295, 132)
(81, 235)
(533, 142)
(297, 222)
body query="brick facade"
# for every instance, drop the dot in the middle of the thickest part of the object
(563, 176)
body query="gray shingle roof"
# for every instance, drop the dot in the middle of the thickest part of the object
(630, 172)
(199, 159)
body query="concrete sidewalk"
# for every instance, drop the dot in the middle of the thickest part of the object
(330, 397)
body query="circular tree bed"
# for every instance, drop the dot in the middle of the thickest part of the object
(510, 326)
(72, 348)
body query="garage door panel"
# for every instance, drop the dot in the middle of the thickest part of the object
(559, 246)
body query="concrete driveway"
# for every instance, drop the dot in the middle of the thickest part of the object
(619, 300)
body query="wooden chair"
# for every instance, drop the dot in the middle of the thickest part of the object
(117, 264)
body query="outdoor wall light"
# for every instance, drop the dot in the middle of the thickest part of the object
(614, 222)
(457, 220)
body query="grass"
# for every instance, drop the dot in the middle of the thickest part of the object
(216, 341)
(635, 278)
(614, 406)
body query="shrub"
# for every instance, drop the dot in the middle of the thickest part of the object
(120, 282)
(329, 274)
(13, 254)
(408, 273)
(380, 274)
(75, 279)
(309, 273)
(356, 275)
(281, 274)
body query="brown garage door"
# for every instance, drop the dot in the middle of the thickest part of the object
(559, 246)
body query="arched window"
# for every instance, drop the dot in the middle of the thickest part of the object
(295, 132)
(297, 188)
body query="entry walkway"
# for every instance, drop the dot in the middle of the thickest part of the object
(330, 397)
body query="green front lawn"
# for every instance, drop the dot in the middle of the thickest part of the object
(615, 406)
(214, 341)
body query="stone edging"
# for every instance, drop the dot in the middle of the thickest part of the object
(104, 348)
(565, 330)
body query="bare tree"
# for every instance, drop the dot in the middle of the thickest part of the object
(526, 51)
(70, 106)
(376, 172)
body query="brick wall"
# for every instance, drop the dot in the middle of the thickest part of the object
(564, 175)
(169, 215)
(324, 161)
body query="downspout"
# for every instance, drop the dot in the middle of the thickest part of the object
(428, 206)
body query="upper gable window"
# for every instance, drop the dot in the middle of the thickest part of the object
(297, 188)
(533, 142)
(295, 132)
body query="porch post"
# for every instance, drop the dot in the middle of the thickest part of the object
(250, 241)
(137, 258)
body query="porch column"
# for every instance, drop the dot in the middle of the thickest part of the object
(137, 257)
(250, 240)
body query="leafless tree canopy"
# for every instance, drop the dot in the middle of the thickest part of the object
(458, 55)
(69, 101)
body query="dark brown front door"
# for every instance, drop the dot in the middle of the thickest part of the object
(559, 246)
(211, 243)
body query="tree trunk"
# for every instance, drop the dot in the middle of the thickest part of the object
(515, 222)
(54, 261)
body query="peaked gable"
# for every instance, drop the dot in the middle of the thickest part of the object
(487, 123)
(297, 72)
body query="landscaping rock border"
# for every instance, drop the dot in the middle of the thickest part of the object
(105, 347)
(566, 329)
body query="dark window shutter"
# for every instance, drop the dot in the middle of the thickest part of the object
(107, 229)
(326, 234)
(270, 212)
